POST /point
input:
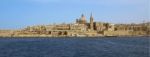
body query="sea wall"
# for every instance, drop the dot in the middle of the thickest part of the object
(124, 33)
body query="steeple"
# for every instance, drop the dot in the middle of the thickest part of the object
(91, 22)
(91, 17)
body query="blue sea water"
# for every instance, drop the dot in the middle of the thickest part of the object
(75, 47)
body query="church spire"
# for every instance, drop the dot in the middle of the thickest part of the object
(91, 17)
(91, 22)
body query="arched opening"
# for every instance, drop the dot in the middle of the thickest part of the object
(59, 33)
(65, 33)
(49, 32)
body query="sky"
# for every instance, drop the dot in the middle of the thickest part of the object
(16, 14)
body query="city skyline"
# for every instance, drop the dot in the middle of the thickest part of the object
(16, 14)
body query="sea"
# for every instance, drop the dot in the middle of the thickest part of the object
(75, 47)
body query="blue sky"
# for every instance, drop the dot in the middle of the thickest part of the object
(15, 14)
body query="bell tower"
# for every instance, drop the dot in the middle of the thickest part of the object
(91, 22)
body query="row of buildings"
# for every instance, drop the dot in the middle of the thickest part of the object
(82, 28)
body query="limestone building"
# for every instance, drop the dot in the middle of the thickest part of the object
(81, 20)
